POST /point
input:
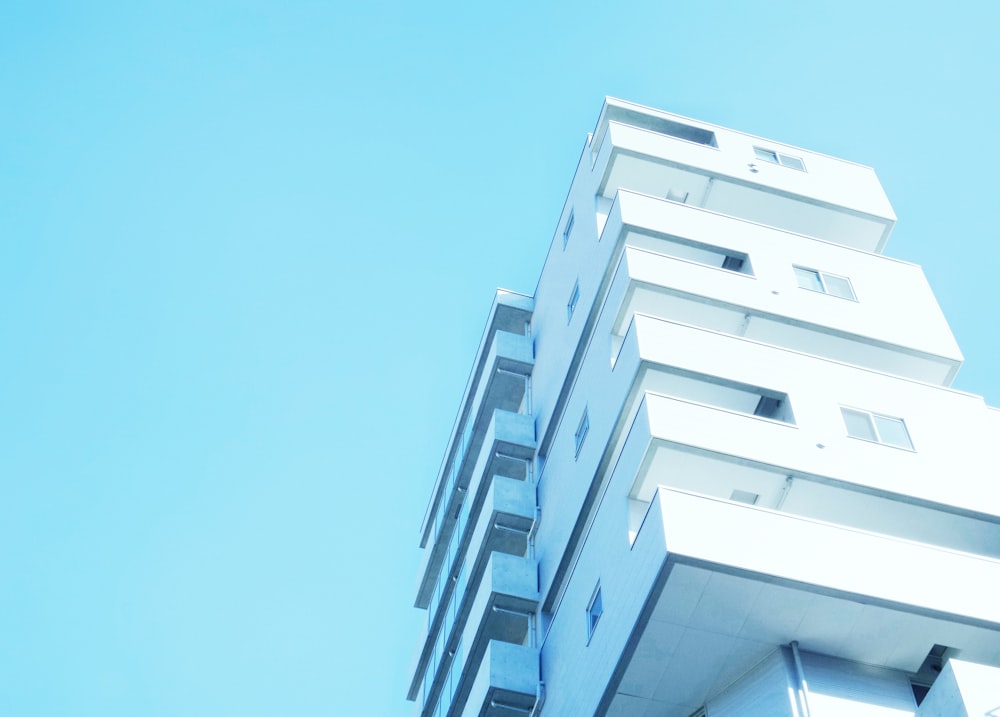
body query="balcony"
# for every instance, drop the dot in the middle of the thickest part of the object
(730, 454)
(495, 423)
(503, 514)
(510, 434)
(894, 326)
(826, 198)
(506, 684)
(503, 347)
(720, 600)
(498, 612)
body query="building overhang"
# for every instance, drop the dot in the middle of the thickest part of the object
(719, 605)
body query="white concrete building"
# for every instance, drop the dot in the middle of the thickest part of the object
(714, 465)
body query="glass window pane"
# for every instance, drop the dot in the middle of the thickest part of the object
(765, 154)
(859, 424)
(892, 431)
(581, 432)
(792, 162)
(808, 279)
(838, 286)
(594, 612)
(574, 298)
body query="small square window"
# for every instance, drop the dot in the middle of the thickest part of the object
(793, 162)
(808, 279)
(595, 608)
(785, 160)
(824, 283)
(744, 496)
(574, 299)
(838, 286)
(568, 230)
(581, 432)
(765, 154)
(874, 427)
(733, 263)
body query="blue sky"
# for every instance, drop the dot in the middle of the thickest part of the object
(246, 253)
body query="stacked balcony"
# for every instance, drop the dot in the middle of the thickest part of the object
(892, 324)
(698, 398)
(477, 583)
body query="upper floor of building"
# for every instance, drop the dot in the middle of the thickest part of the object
(715, 307)
(664, 155)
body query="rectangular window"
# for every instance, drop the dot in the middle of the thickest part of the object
(824, 283)
(733, 263)
(574, 299)
(595, 608)
(769, 407)
(785, 160)
(568, 229)
(581, 432)
(876, 428)
(744, 496)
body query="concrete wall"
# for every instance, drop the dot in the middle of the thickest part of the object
(963, 689)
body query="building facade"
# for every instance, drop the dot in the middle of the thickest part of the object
(714, 466)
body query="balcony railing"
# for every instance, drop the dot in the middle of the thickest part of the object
(504, 390)
(676, 278)
(499, 610)
(502, 521)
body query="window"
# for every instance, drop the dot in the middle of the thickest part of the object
(574, 299)
(876, 428)
(784, 160)
(568, 229)
(744, 496)
(733, 263)
(769, 407)
(581, 432)
(595, 608)
(824, 283)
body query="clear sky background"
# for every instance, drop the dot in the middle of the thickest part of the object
(246, 254)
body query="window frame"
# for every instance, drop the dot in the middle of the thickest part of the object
(580, 436)
(874, 427)
(568, 229)
(574, 300)
(780, 158)
(595, 609)
(822, 276)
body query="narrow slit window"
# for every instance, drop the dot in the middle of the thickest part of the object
(581, 432)
(874, 427)
(595, 608)
(568, 230)
(574, 299)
